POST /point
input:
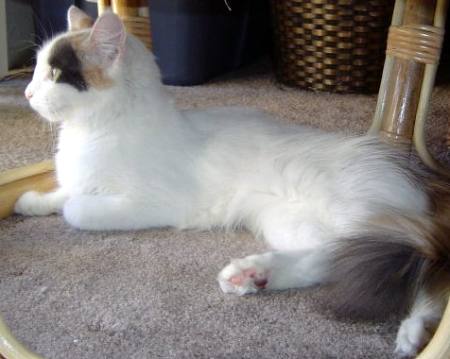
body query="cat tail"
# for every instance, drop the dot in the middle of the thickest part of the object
(381, 271)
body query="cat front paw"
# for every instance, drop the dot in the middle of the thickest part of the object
(243, 276)
(411, 337)
(33, 204)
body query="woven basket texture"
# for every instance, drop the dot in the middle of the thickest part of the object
(134, 14)
(331, 45)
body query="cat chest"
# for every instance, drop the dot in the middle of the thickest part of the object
(86, 168)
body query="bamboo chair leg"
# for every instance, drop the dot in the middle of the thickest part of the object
(390, 120)
(13, 183)
(425, 95)
(377, 118)
(399, 96)
(439, 346)
(397, 18)
(11, 348)
(419, 126)
(103, 5)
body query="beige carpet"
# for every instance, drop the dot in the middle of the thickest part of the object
(153, 294)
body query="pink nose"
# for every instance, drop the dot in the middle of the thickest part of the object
(28, 94)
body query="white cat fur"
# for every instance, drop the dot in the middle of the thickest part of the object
(128, 159)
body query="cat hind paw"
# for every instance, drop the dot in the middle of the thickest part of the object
(243, 276)
(411, 337)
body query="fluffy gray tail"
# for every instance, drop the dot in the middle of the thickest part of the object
(380, 272)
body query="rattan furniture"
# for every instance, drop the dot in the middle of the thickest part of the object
(335, 46)
(413, 50)
(412, 56)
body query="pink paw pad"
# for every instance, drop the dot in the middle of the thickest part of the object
(259, 279)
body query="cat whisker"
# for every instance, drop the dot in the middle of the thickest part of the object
(39, 23)
(51, 138)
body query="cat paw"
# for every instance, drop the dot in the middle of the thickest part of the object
(33, 204)
(411, 337)
(243, 276)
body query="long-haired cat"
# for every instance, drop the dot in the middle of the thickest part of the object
(342, 210)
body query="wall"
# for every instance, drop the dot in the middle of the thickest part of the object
(20, 32)
(3, 40)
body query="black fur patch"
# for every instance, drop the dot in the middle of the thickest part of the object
(64, 58)
(375, 275)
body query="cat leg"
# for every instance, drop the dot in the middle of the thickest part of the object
(273, 270)
(291, 227)
(111, 212)
(40, 204)
(416, 330)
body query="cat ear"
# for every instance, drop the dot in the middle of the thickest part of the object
(107, 38)
(77, 19)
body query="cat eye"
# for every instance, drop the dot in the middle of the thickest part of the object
(55, 74)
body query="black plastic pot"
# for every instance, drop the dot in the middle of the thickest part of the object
(194, 40)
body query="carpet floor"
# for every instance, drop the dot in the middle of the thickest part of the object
(152, 294)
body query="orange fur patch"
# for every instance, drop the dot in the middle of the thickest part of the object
(96, 78)
(93, 75)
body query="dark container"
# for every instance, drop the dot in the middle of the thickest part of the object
(194, 40)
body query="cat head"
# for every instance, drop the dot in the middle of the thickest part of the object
(75, 69)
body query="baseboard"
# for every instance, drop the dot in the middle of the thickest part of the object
(13, 183)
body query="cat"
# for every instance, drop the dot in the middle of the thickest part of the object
(348, 211)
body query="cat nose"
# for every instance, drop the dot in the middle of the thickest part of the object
(28, 94)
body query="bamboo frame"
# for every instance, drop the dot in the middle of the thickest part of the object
(439, 345)
(11, 348)
(424, 101)
(13, 183)
(393, 118)
(397, 19)
(134, 14)
(103, 5)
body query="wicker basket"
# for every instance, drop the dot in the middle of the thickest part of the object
(331, 45)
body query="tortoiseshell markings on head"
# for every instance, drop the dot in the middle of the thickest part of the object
(66, 55)
(63, 57)
(93, 74)
(96, 78)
